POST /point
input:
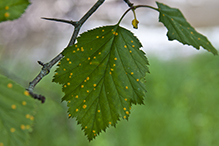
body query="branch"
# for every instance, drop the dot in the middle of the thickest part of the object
(46, 67)
(129, 3)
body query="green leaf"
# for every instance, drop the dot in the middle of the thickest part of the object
(179, 29)
(16, 113)
(101, 77)
(12, 9)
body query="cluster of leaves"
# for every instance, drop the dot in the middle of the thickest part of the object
(101, 75)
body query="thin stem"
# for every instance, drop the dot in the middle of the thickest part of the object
(133, 8)
(46, 67)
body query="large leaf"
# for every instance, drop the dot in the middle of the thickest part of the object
(12, 9)
(179, 29)
(101, 77)
(16, 113)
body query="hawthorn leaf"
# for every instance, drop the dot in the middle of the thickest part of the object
(179, 29)
(12, 9)
(101, 77)
(16, 113)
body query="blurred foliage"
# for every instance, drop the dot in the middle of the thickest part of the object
(180, 109)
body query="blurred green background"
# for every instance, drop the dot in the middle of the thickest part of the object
(181, 109)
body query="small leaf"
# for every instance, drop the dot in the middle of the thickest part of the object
(12, 9)
(179, 29)
(101, 77)
(16, 113)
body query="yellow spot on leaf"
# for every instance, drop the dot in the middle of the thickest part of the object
(115, 58)
(163, 15)
(12, 130)
(114, 64)
(94, 88)
(90, 62)
(111, 69)
(71, 74)
(27, 116)
(130, 51)
(97, 37)
(31, 118)
(6, 14)
(78, 49)
(126, 87)
(127, 112)
(84, 100)
(24, 102)
(102, 30)
(84, 106)
(69, 115)
(191, 32)
(82, 86)
(132, 41)
(137, 80)
(132, 73)
(69, 100)
(26, 93)
(124, 109)
(125, 99)
(56, 74)
(68, 83)
(91, 49)
(73, 51)
(172, 19)
(82, 49)
(65, 86)
(125, 46)
(116, 33)
(95, 85)
(124, 117)
(98, 111)
(13, 106)
(69, 62)
(23, 127)
(76, 110)
(9, 85)
(6, 7)
(67, 59)
(76, 46)
(199, 38)
(85, 80)
(88, 58)
(110, 72)
(87, 91)
(79, 64)
(64, 69)
(99, 53)
(102, 37)
(133, 46)
(94, 131)
(110, 123)
(95, 57)
(76, 96)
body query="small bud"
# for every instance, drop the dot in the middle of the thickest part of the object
(135, 23)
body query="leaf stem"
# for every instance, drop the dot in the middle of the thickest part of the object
(46, 67)
(133, 8)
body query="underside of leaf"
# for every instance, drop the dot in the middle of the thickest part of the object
(179, 29)
(101, 77)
